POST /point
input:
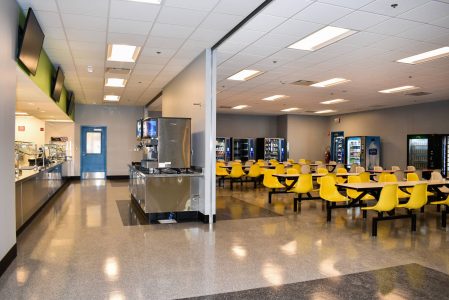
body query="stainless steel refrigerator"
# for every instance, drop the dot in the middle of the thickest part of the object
(363, 150)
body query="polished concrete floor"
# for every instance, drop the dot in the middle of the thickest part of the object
(79, 248)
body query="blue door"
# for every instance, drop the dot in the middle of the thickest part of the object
(93, 152)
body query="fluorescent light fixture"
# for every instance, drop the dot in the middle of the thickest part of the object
(426, 56)
(330, 82)
(115, 82)
(147, 1)
(245, 75)
(290, 109)
(112, 98)
(240, 106)
(322, 38)
(399, 89)
(59, 121)
(275, 97)
(335, 101)
(124, 53)
(326, 111)
(18, 113)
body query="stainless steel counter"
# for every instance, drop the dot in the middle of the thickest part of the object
(158, 194)
(34, 188)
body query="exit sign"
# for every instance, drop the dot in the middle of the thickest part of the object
(21, 128)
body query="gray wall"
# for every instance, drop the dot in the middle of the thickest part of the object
(246, 126)
(393, 125)
(121, 134)
(307, 137)
(8, 36)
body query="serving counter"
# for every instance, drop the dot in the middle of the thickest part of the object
(165, 194)
(35, 187)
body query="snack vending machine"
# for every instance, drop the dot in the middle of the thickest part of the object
(271, 148)
(223, 149)
(338, 146)
(428, 151)
(243, 149)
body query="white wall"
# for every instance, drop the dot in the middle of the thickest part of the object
(191, 94)
(8, 37)
(246, 126)
(394, 124)
(32, 131)
(121, 134)
(62, 129)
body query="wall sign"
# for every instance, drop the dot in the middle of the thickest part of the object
(21, 128)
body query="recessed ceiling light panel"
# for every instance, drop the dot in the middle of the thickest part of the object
(334, 101)
(240, 106)
(115, 82)
(399, 89)
(18, 113)
(290, 109)
(326, 111)
(123, 53)
(275, 97)
(112, 98)
(322, 38)
(330, 82)
(426, 56)
(245, 75)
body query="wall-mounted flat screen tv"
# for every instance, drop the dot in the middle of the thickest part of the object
(71, 103)
(57, 85)
(149, 128)
(31, 43)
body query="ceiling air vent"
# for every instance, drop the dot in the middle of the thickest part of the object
(119, 71)
(222, 106)
(419, 94)
(303, 82)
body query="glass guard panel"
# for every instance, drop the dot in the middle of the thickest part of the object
(93, 142)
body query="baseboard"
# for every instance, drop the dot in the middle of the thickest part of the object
(75, 177)
(28, 222)
(205, 218)
(117, 177)
(8, 259)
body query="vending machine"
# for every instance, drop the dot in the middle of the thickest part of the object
(223, 149)
(243, 149)
(338, 146)
(428, 151)
(271, 148)
(363, 150)
(445, 169)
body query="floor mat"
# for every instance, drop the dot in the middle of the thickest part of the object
(231, 208)
(410, 281)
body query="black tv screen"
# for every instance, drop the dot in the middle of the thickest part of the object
(31, 43)
(70, 103)
(58, 84)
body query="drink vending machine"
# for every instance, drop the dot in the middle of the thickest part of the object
(223, 149)
(428, 151)
(363, 150)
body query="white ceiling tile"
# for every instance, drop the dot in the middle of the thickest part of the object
(429, 12)
(84, 22)
(237, 7)
(246, 36)
(322, 13)
(47, 5)
(211, 35)
(359, 20)
(96, 8)
(296, 28)
(75, 46)
(205, 5)
(220, 21)
(443, 22)
(56, 33)
(171, 31)
(86, 36)
(126, 39)
(264, 22)
(259, 50)
(383, 7)
(153, 52)
(128, 26)
(393, 26)
(286, 8)
(164, 43)
(133, 10)
(354, 4)
(181, 16)
(363, 39)
(280, 40)
(56, 44)
(48, 19)
(425, 33)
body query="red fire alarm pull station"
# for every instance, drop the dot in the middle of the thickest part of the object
(21, 128)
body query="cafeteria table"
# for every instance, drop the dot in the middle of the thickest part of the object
(294, 179)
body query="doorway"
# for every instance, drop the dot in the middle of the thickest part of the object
(93, 152)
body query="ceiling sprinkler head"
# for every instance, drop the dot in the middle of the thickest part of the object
(394, 5)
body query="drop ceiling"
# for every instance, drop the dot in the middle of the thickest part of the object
(77, 33)
(367, 58)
